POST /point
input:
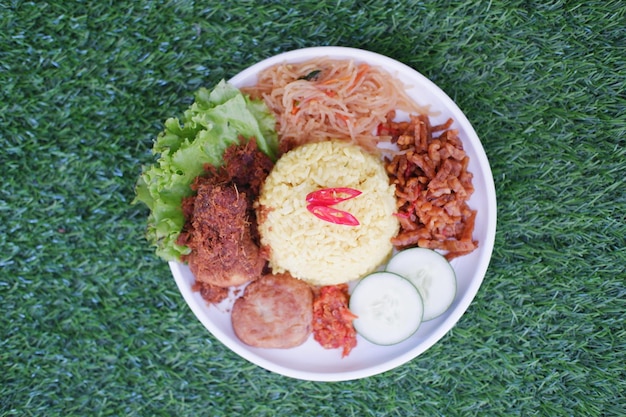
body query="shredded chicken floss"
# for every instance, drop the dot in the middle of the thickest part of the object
(433, 186)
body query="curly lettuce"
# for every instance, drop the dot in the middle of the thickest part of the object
(216, 120)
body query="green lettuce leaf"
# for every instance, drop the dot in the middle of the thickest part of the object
(216, 120)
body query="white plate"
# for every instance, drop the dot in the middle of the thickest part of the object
(310, 361)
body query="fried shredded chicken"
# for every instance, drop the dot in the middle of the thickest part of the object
(212, 294)
(432, 187)
(220, 227)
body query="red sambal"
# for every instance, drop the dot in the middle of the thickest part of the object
(332, 320)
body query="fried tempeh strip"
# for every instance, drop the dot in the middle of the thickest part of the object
(433, 186)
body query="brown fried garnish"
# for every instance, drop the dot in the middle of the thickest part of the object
(432, 187)
(220, 222)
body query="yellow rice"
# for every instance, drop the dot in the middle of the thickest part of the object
(312, 249)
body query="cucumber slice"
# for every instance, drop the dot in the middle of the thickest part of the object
(431, 273)
(388, 307)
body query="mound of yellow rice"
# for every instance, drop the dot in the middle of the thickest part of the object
(312, 249)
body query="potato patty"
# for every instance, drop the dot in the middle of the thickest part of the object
(275, 311)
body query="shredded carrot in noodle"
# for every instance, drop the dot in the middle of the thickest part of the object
(338, 100)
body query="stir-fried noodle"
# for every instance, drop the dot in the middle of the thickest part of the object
(326, 98)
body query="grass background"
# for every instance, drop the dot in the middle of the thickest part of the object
(92, 323)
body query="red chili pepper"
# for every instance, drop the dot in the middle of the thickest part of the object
(384, 130)
(332, 215)
(330, 196)
(380, 129)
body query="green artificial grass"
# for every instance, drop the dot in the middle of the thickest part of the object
(93, 323)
